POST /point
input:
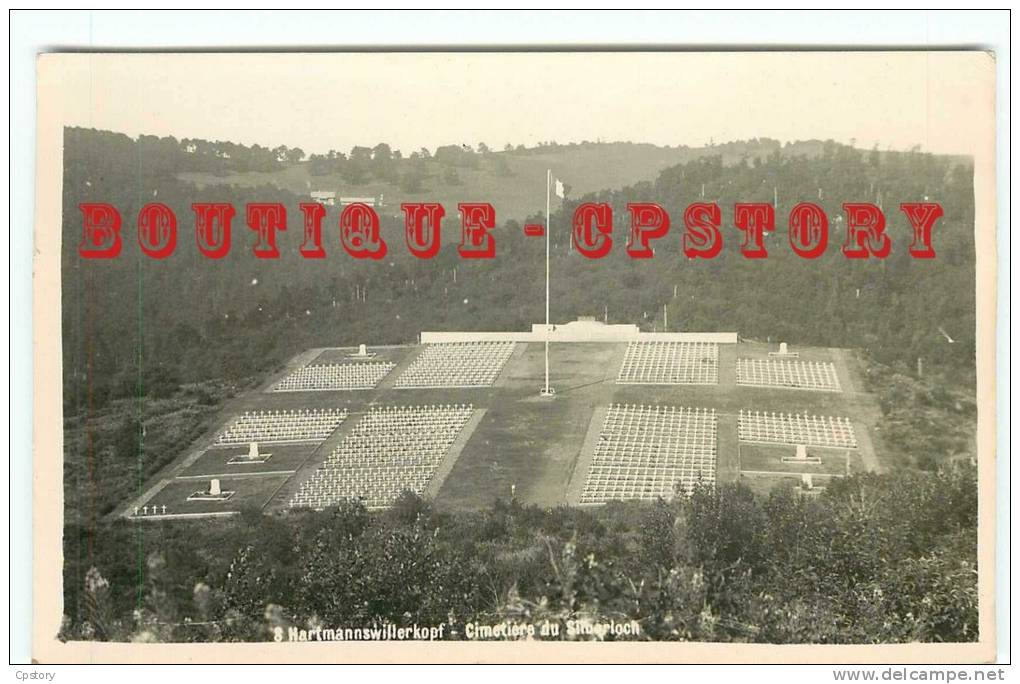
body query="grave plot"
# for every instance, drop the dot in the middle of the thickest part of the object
(456, 364)
(648, 452)
(268, 427)
(335, 377)
(389, 451)
(809, 375)
(795, 428)
(670, 363)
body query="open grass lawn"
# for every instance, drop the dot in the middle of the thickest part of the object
(282, 457)
(249, 491)
(769, 458)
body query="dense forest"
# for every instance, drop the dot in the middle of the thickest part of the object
(151, 348)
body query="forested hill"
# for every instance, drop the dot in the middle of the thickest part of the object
(153, 347)
(135, 323)
(512, 179)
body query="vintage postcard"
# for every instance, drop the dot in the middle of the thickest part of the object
(515, 357)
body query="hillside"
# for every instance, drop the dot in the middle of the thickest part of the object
(513, 181)
(269, 310)
(157, 353)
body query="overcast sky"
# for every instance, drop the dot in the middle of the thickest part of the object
(318, 102)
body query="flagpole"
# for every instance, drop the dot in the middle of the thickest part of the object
(548, 180)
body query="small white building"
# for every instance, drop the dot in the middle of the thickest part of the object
(324, 197)
(370, 201)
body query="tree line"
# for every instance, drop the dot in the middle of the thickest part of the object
(872, 559)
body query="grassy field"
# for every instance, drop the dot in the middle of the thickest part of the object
(521, 441)
(282, 458)
(756, 458)
(248, 492)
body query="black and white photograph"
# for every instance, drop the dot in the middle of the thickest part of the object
(464, 353)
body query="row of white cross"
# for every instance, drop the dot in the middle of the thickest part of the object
(478, 364)
(643, 452)
(795, 428)
(799, 374)
(457, 364)
(336, 376)
(387, 452)
(670, 363)
(282, 426)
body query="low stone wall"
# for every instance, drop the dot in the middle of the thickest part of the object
(570, 334)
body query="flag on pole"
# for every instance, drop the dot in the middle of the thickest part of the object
(560, 191)
(557, 187)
